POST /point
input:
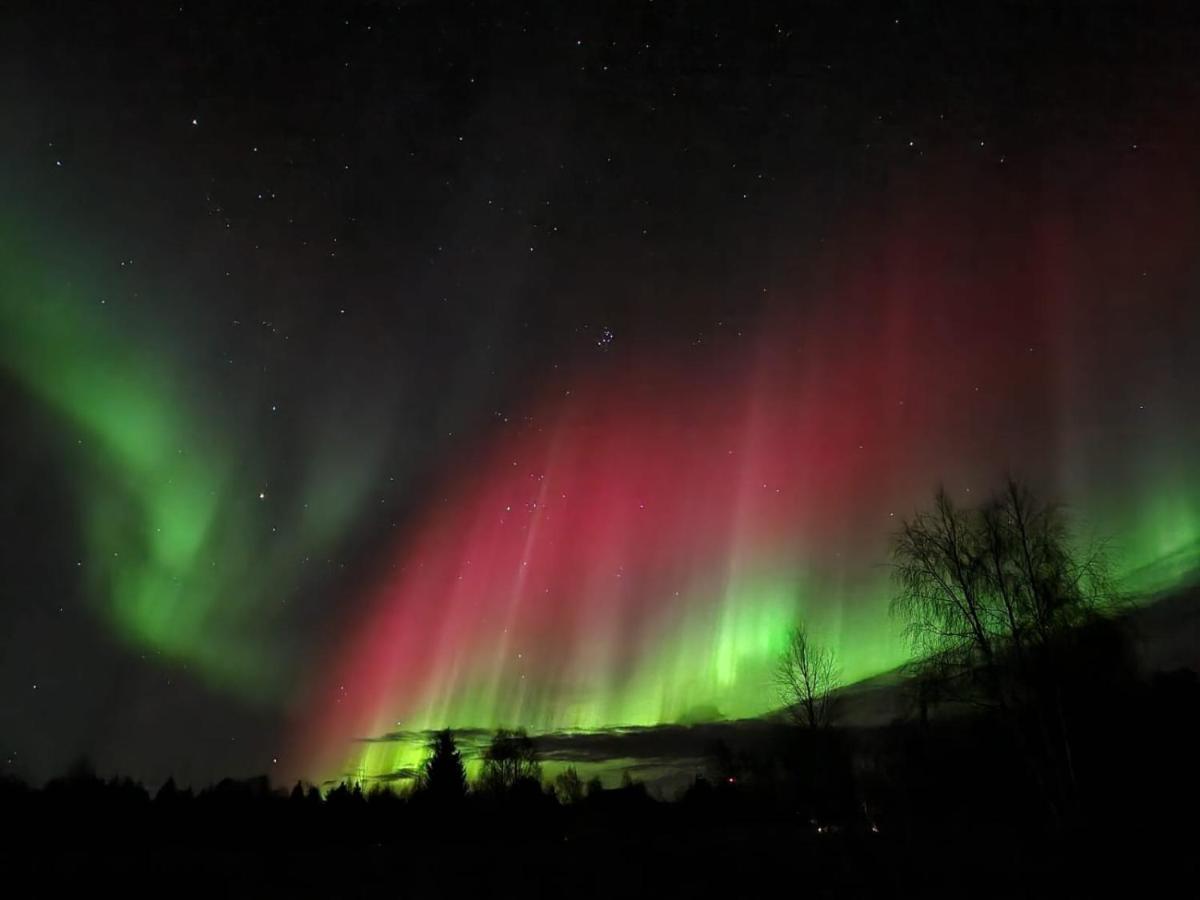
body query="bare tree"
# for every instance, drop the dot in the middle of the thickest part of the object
(510, 761)
(989, 598)
(806, 677)
(983, 589)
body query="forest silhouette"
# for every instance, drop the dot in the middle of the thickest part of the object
(1037, 752)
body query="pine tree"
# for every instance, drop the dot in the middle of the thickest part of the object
(444, 777)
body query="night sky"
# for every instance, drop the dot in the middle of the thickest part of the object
(374, 367)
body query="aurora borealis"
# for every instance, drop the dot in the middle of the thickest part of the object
(169, 557)
(636, 553)
(351, 412)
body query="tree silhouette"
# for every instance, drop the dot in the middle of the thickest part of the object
(443, 777)
(510, 760)
(568, 786)
(991, 599)
(806, 677)
(168, 793)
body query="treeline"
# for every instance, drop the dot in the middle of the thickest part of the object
(1136, 747)
(83, 810)
(935, 806)
(1034, 748)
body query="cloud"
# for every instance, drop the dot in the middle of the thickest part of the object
(635, 747)
(402, 774)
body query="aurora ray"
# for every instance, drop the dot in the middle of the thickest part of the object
(635, 551)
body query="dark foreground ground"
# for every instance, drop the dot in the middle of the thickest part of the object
(746, 860)
(954, 805)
